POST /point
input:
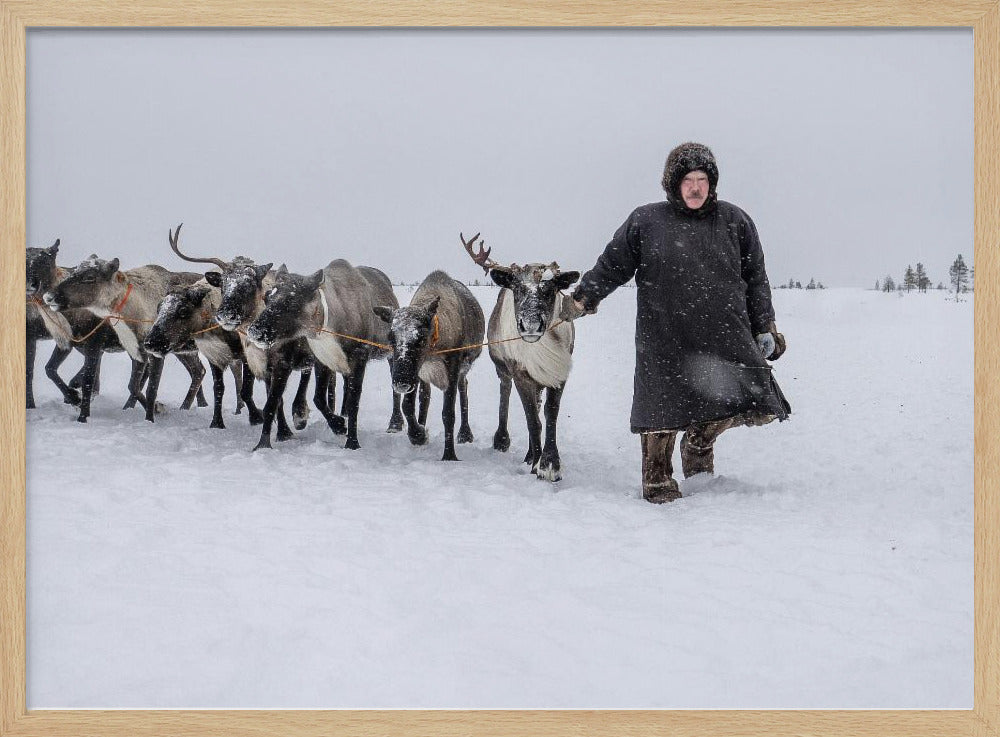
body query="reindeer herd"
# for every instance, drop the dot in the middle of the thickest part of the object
(261, 323)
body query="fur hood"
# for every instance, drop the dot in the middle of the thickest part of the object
(683, 160)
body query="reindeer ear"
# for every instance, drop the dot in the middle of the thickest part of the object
(315, 280)
(112, 266)
(214, 278)
(262, 270)
(54, 248)
(432, 306)
(503, 278)
(282, 270)
(565, 279)
(383, 312)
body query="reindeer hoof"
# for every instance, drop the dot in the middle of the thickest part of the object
(449, 456)
(395, 424)
(262, 443)
(82, 418)
(256, 418)
(337, 425)
(352, 444)
(70, 397)
(300, 420)
(202, 402)
(547, 472)
(31, 404)
(283, 436)
(465, 435)
(217, 424)
(501, 441)
(418, 436)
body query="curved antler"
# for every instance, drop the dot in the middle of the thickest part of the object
(483, 257)
(173, 236)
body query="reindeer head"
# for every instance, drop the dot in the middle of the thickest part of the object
(40, 269)
(182, 312)
(292, 307)
(533, 286)
(241, 282)
(94, 283)
(411, 331)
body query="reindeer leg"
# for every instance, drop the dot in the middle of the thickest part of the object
(529, 393)
(29, 354)
(448, 414)
(284, 431)
(300, 405)
(425, 401)
(135, 381)
(548, 465)
(275, 388)
(91, 360)
(153, 384)
(396, 419)
(501, 438)
(196, 369)
(236, 370)
(321, 398)
(253, 413)
(218, 390)
(414, 430)
(70, 396)
(356, 384)
(464, 431)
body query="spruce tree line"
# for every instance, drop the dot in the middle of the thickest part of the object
(793, 284)
(960, 278)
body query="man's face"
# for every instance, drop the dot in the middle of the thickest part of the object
(694, 189)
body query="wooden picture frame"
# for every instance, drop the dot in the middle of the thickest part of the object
(17, 16)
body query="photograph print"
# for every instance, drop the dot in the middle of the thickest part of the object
(547, 369)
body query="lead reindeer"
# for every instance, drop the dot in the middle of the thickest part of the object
(435, 339)
(531, 344)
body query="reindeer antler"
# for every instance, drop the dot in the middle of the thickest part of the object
(483, 257)
(174, 235)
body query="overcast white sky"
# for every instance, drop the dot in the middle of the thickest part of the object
(851, 150)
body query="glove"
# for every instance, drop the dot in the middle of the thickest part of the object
(589, 303)
(765, 341)
(771, 343)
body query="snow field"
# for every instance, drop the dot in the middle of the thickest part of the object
(828, 565)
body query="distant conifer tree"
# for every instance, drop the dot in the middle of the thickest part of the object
(959, 275)
(909, 279)
(889, 285)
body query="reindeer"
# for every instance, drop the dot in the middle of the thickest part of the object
(333, 310)
(70, 329)
(127, 300)
(531, 343)
(188, 313)
(242, 284)
(434, 340)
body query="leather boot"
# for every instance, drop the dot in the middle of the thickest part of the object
(658, 484)
(697, 458)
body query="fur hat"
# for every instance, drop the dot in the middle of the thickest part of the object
(683, 160)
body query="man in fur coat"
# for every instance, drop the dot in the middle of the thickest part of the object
(704, 325)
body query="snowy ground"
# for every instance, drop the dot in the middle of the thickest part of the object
(828, 565)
